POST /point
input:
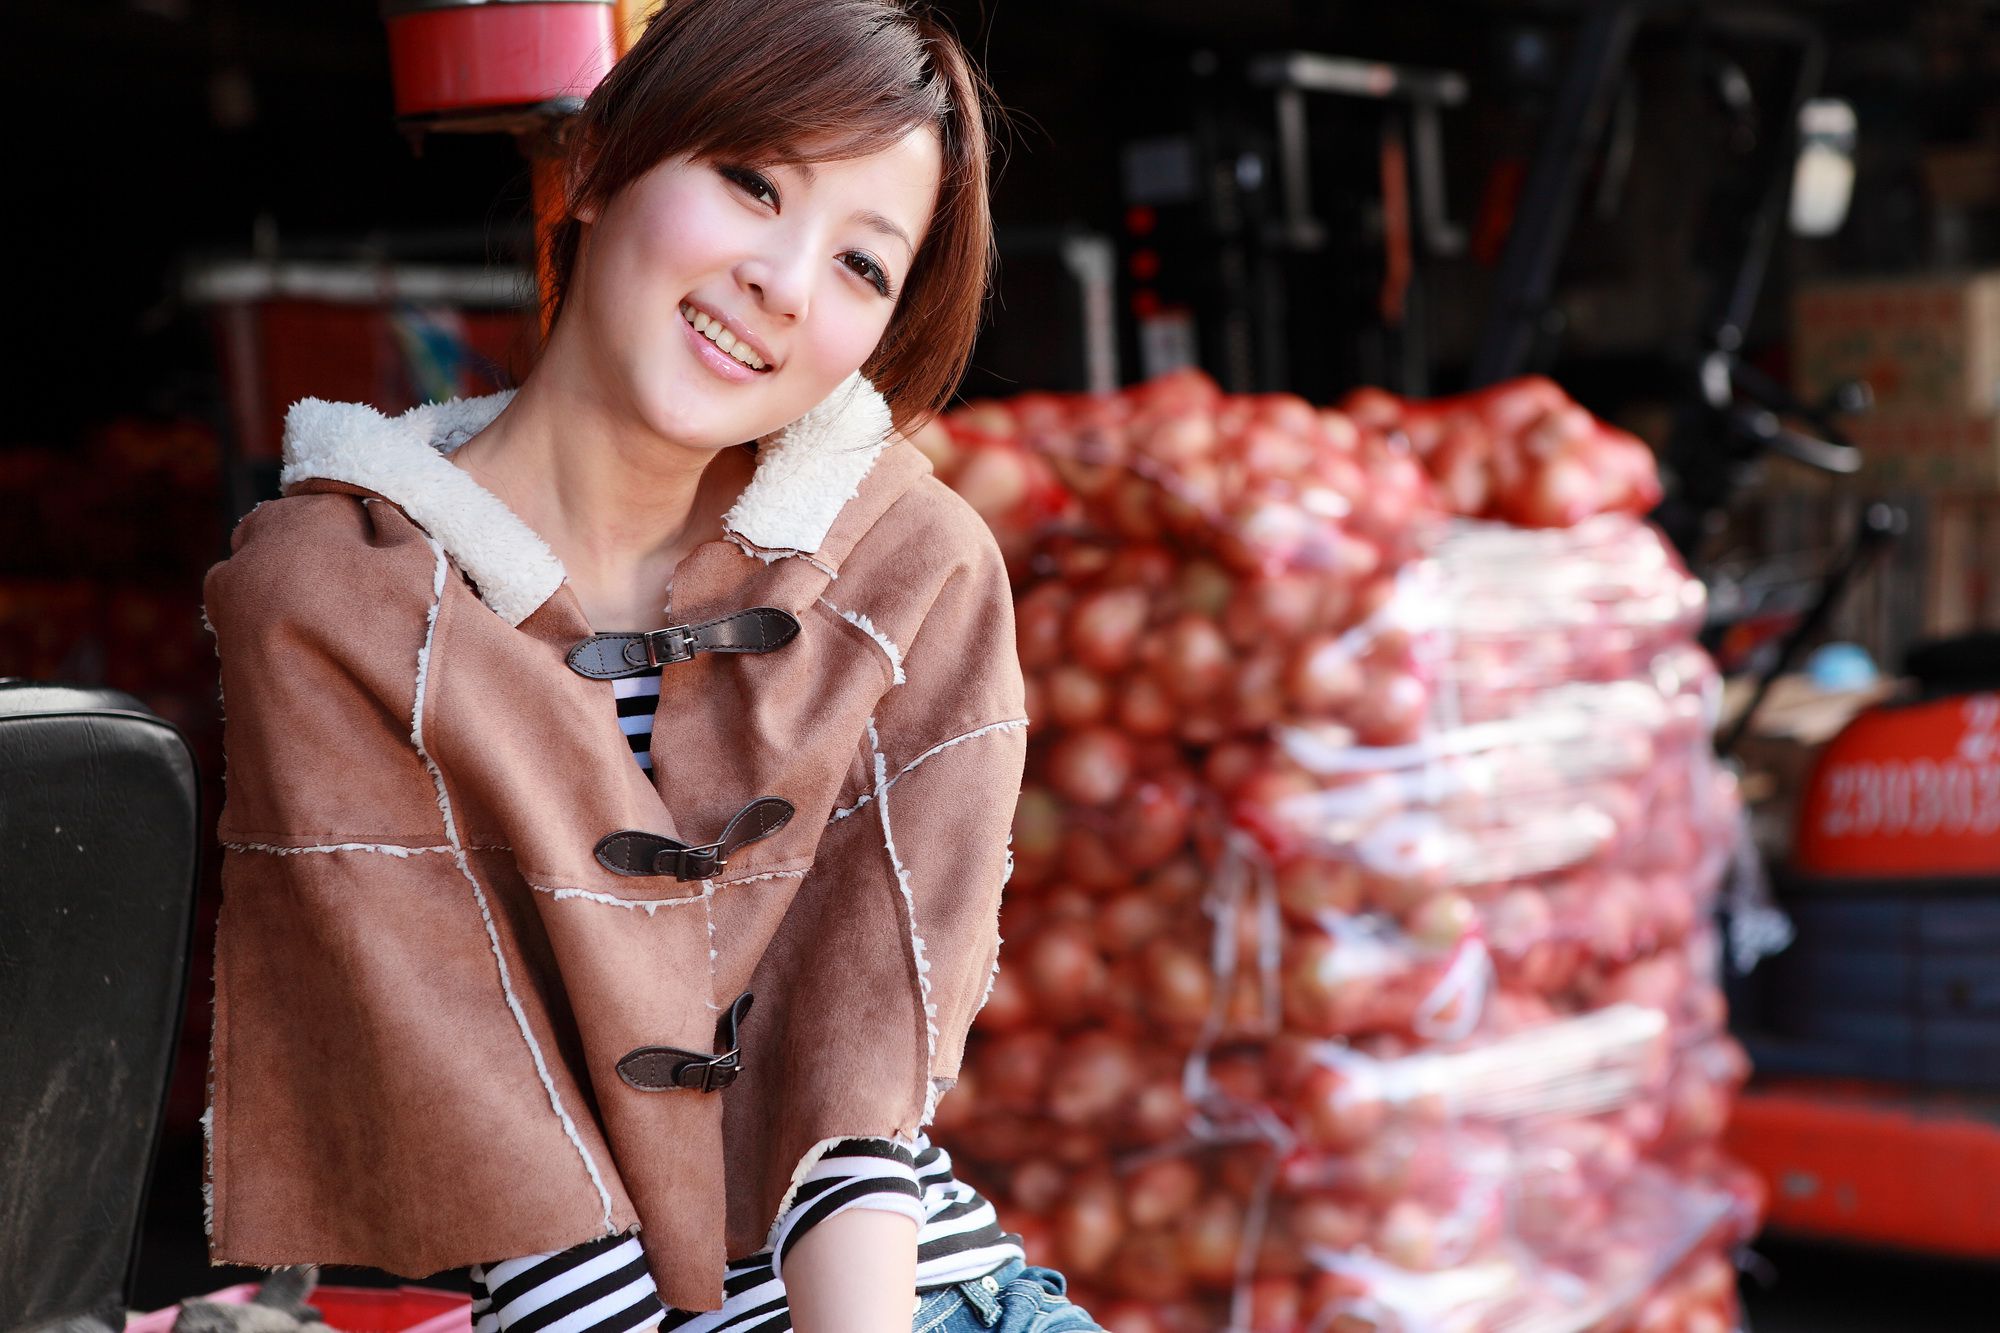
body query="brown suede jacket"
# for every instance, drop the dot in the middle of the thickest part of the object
(459, 924)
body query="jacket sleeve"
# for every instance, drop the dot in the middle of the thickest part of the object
(320, 616)
(889, 947)
(944, 758)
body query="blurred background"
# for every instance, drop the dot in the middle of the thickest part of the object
(1757, 247)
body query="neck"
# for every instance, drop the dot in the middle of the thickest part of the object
(613, 497)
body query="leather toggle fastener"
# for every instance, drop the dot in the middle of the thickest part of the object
(664, 1068)
(632, 852)
(611, 656)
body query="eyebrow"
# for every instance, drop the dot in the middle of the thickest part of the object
(867, 217)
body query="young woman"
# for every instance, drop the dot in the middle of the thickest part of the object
(621, 768)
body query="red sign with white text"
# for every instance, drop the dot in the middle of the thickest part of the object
(1911, 790)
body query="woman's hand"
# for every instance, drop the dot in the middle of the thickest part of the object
(856, 1272)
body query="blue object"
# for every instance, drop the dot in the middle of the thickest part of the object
(1841, 666)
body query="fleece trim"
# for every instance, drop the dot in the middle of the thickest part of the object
(805, 473)
(808, 470)
(404, 459)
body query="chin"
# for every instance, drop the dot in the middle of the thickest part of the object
(675, 413)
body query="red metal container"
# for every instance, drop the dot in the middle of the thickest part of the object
(453, 58)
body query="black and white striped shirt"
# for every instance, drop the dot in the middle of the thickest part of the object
(603, 1286)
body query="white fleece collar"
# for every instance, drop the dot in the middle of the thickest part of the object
(805, 473)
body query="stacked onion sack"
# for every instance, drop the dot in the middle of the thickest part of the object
(1357, 972)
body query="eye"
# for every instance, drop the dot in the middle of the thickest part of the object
(872, 271)
(751, 182)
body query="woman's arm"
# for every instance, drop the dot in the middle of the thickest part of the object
(856, 1272)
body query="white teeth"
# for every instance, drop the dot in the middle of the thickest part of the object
(722, 337)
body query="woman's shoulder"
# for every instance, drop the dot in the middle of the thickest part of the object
(929, 534)
(322, 550)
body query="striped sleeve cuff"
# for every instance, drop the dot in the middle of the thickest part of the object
(878, 1174)
(600, 1286)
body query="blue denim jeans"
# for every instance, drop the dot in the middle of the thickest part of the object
(1016, 1298)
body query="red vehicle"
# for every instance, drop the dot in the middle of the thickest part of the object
(1877, 1114)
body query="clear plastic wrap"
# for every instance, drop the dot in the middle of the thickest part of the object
(1356, 960)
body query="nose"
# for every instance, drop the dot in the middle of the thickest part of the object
(781, 284)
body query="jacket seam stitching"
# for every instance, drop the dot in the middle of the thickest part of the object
(918, 958)
(868, 797)
(479, 893)
(891, 653)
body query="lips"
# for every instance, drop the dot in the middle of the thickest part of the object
(689, 309)
(724, 365)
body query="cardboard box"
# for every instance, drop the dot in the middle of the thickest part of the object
(1940, 452)
(1925, 343)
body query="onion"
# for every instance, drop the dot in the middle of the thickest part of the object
(1412, 1236)
(1147, 1264)
(993, 481)
(1103, 629)
(1275, 1305)
(1210, 1234)
(1195, 659)
(1131, 918)
(1091, 860)
(1339, 1111)
(1151, 823)
(1259, 698)
(1179, 438)
(1037, 1185)
(1091, 766)
(1323, 677)
(1039, 616)
(1391, 709)
(1145, 707)
(1230, 765)
(1272, 452)
(1074, 696)
(1325, 1222)
(1442, 921)
(1008, 1006)
(1311, 887)
(1095, 1074)
(1064, 973)
(1160, 1191)
(1038, 825)
(1159, 1110)
(1204, 588)
(1012, 1070)
(1178, 987)
(1131, 509)
(1088, 1225)
(1239, 1077)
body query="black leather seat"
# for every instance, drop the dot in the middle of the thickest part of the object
(99, 811)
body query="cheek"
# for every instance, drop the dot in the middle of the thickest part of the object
(850, 328)
(663, 246)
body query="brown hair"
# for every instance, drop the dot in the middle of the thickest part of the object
(757, 81)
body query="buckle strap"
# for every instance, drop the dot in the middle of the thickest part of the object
(610, 656)
(633, 852)
(664, 1068)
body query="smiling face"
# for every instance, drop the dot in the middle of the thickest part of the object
(800, 265)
